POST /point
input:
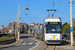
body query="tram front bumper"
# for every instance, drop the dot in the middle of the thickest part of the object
(53, 41)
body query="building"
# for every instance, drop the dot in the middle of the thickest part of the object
(5, 30)
(23, 27)
(31, 28)
(1, 28)
(12, 26)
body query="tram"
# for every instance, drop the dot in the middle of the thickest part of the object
(53, 30)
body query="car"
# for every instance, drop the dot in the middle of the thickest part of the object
(68, 37)
(74, 37)
(63, 36)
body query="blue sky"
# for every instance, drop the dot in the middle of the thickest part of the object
(37, 10)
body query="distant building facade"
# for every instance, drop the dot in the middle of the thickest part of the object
(23, 27)
(31, 28)
(1, 28)
(5, 30)
(12, 26)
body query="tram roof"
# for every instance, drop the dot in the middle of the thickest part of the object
(53, 18)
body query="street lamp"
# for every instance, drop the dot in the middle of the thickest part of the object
(27, 8)
(22, 14)
(18, 21)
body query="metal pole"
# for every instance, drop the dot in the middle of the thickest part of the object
(71, 22)
(19, 23)
(17, 29)
(12, 29)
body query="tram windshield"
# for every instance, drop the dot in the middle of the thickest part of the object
(53, 28)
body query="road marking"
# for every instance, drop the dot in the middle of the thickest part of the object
(36, 45)
(24, 43)
(30, 43)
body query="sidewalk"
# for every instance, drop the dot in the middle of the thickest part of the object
(12, 44)
(65, 47)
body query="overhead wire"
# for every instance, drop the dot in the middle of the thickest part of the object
(52, 8)
(29, 11)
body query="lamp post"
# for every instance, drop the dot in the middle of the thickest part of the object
(18, 21)
(71, 26)
(71, 22)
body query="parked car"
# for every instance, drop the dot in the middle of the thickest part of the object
(64, 36)
(68, 37)
(74, 37)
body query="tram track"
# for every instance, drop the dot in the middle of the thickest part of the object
(45, 47)
(54, 47)
(48, 47)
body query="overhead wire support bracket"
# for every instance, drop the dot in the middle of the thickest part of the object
(71, 2)
(62, 2)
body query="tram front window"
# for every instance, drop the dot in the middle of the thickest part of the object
(53, 28)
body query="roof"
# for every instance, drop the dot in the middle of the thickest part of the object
(52, 19)
(32, 23)
(5, 29)
(24, 23)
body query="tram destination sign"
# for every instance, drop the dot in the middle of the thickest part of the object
(53, 22)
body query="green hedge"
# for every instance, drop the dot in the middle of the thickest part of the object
(6, 38)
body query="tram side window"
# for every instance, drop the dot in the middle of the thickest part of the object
(46, 29)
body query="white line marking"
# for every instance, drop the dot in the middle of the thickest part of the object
(24, 43)
(35, 46)
(30, 43)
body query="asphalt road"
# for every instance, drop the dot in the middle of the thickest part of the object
(28, 44)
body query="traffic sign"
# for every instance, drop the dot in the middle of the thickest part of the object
(71, 29)
(19, 29)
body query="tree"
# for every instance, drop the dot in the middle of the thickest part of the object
(66, 27)
(74, 28)
(65, 24)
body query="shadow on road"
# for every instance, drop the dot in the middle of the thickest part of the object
(26, 36)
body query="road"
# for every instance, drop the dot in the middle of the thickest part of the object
(31, 43)
(28, 44)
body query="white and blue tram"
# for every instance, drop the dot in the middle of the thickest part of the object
(53, 30)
